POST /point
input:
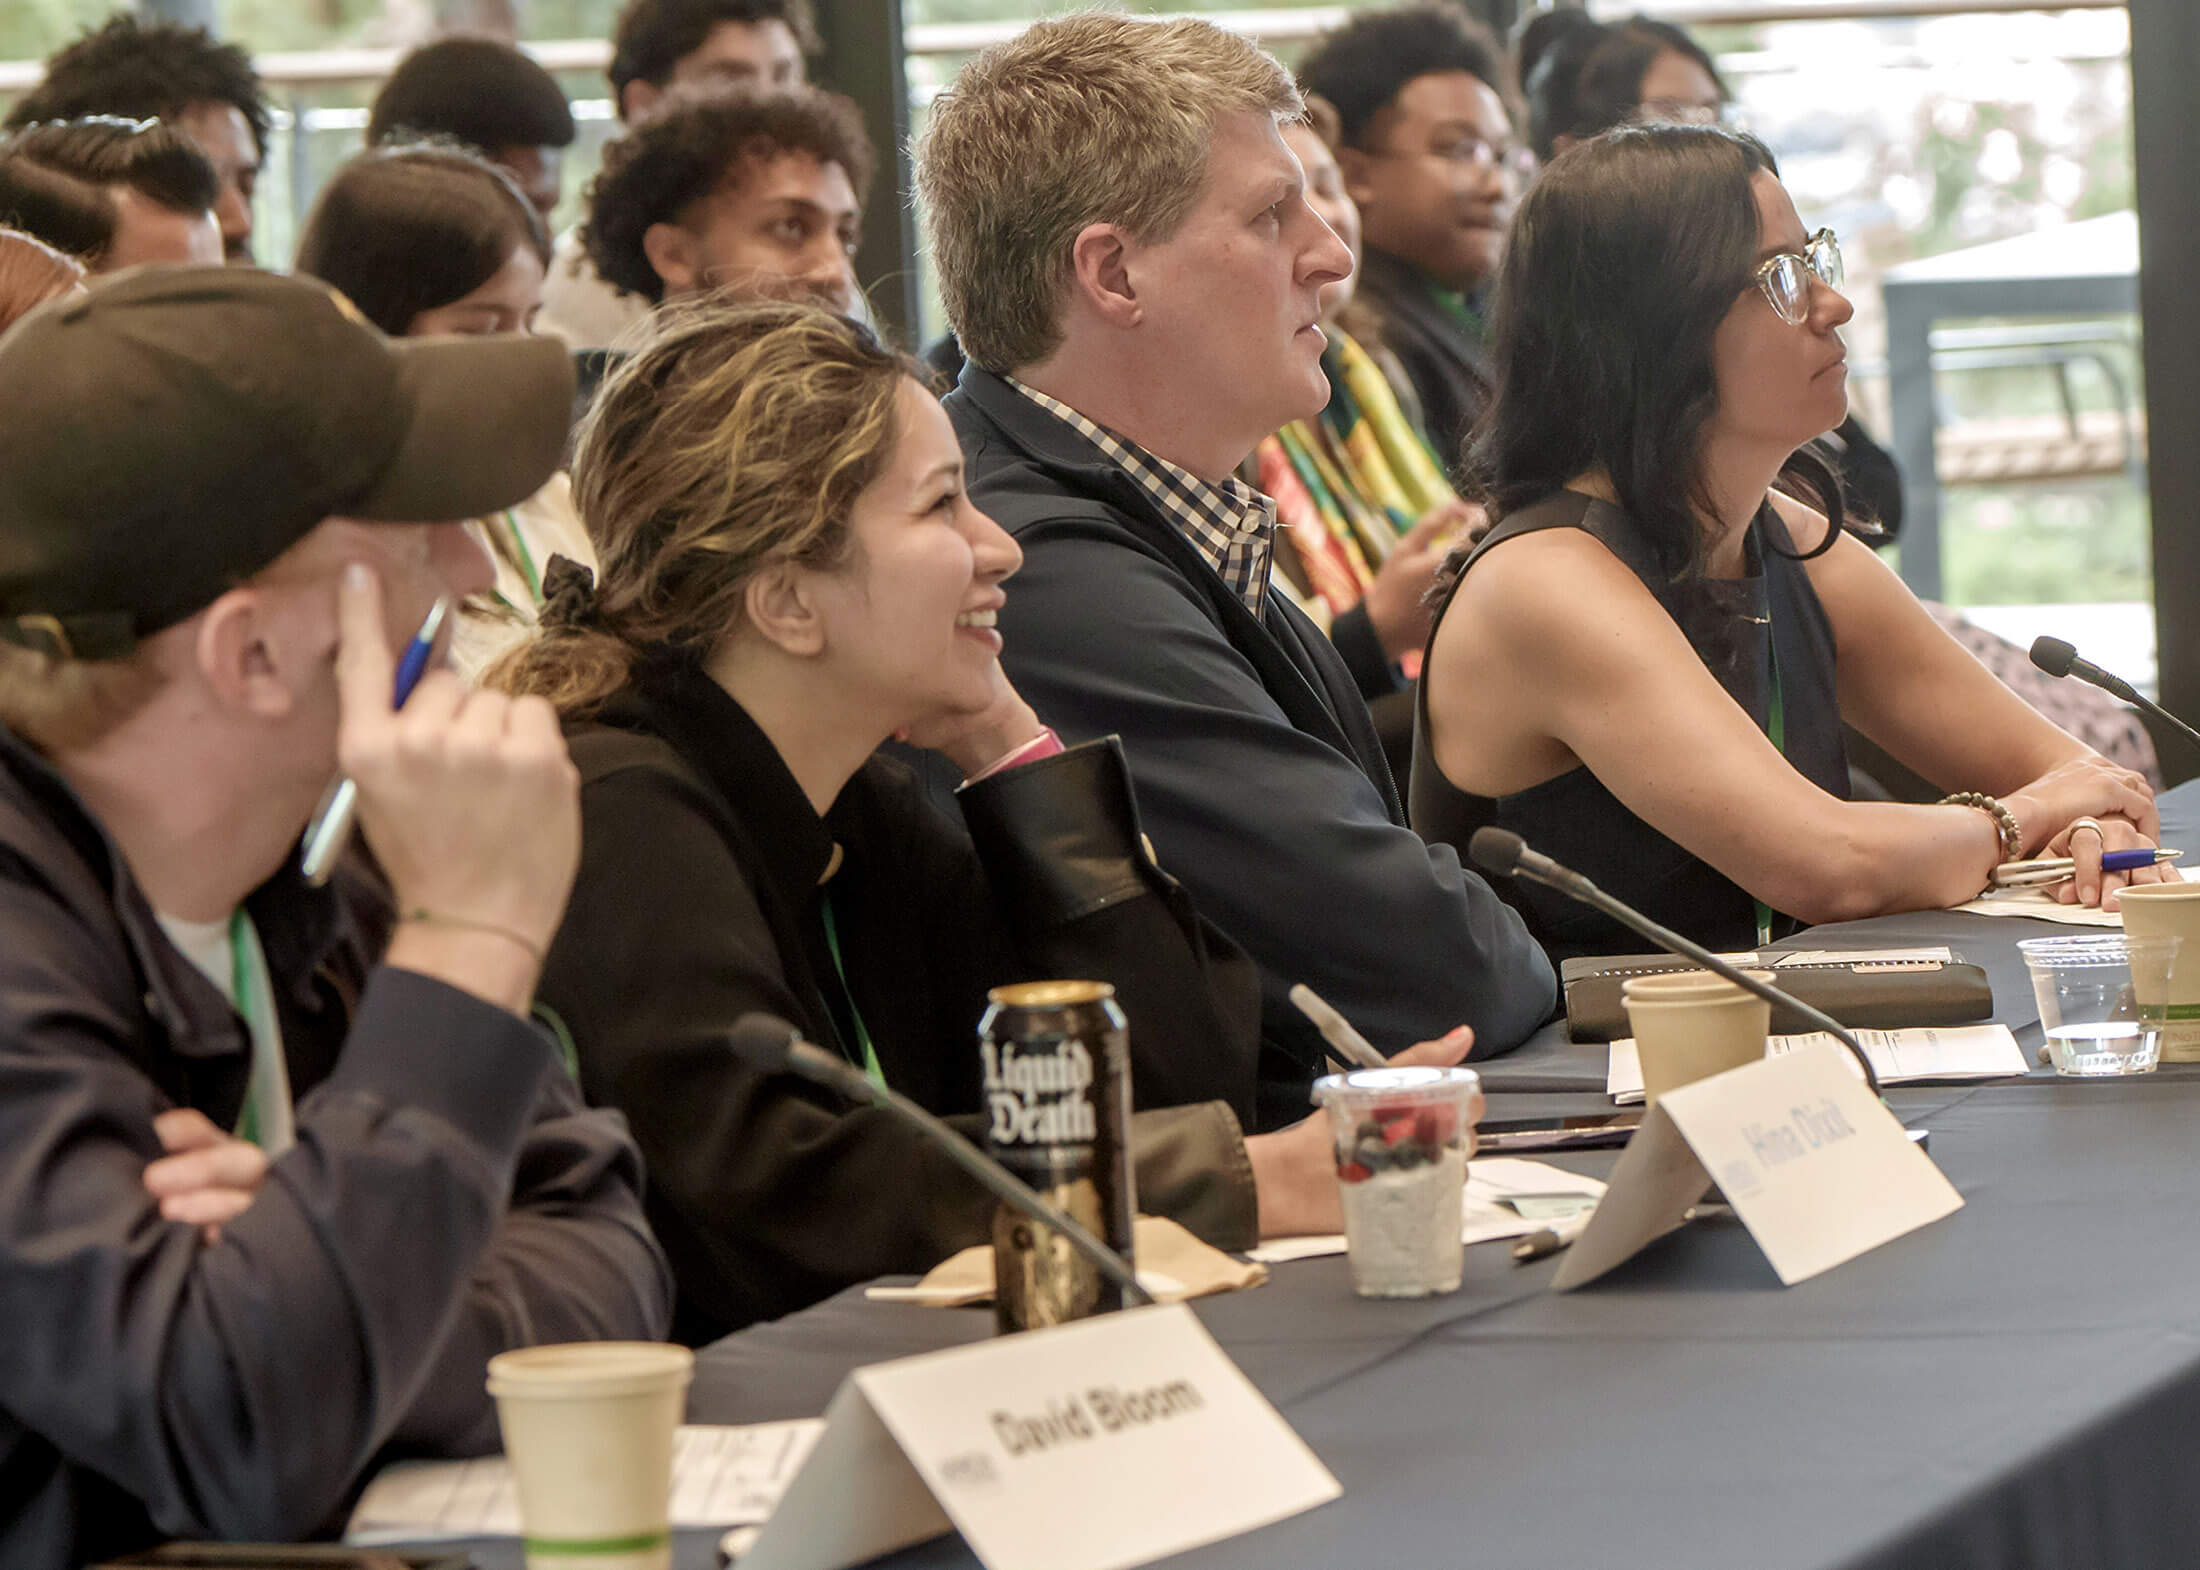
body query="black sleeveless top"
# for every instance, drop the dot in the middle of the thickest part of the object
(1573, 819)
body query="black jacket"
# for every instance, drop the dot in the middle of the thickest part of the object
(701, 896)
(1258, 772)
(1443, 355)
(448, 1197)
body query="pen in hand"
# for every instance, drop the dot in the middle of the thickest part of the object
(1349, 1045)
(330, 828)
(2057, 869)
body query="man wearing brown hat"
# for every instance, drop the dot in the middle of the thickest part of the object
(217, 500)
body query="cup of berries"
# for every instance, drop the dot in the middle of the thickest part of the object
(1402, 1136)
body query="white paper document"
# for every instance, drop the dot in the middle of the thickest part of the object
(720, 1477)
(2038, 905)
(1922, 957)
(1898, 1056)
(1492, 1181)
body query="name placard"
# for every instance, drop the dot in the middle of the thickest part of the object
(1814, 1166)
(1091, 1446)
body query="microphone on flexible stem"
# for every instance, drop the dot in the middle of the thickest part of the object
(2058, 658)
(1502, 851)
(772, 1046)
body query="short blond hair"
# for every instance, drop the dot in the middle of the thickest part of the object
(1088, 118)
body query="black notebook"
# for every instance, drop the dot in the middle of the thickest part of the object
(1862, 993)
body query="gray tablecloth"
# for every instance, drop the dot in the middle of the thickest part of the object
(2016, 1386)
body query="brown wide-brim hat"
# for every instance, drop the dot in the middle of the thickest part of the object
(171, 432)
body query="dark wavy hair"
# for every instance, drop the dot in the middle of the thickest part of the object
(1582, 76)
(410, 227)
(480, 91)
(1363, 66)
(651, 37)
(1624, 259)
(154, 159)
(146, 71)
(657, 171)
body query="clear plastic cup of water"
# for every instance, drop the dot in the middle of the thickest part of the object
(2088, 989)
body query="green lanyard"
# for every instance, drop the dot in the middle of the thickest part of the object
(1776, 729)
(871, 1070)
(526, 557)
(244, 979)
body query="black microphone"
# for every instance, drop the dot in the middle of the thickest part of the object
(1502, 851)
(2058, 658)
(772, 1046)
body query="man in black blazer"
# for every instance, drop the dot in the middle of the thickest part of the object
(1138, 311)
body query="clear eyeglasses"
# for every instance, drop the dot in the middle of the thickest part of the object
(1786, 278)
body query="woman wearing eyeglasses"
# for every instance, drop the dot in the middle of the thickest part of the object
(1644, 667)
(1581, 77)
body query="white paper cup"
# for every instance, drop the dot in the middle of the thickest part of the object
(2169, 910)
(1691, 1024)
(588, 1428)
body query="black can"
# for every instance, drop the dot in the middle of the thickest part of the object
(1056, 1059)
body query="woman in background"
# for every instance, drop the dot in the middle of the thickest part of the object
(1582, 77)
(1644, 667)
(429, 239)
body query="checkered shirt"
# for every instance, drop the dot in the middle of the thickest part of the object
(1232, 525)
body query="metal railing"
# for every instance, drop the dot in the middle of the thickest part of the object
(295, 81)
(285, 72)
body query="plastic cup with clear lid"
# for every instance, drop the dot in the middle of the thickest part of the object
(1402, 1137)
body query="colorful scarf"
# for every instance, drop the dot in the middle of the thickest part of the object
(1350, 482)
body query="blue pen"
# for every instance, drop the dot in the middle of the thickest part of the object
(2132, 860)
(2058, 869)
(330, 828)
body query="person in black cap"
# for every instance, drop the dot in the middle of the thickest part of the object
(487, 94)
(280, 1166)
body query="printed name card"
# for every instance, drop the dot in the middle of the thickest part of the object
(1814, 1166)
(1091, 1446)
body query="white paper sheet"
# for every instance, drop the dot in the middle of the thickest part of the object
(1898, 1056)
(1924, 956)
(1486, 1217)
(720, 1477)
(2034, 905)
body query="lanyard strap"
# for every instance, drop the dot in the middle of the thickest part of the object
(526, 557)
(1776, 729)
(261, 1121)
(871, 1070)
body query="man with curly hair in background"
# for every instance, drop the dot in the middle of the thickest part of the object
(747, 193)
(663, 51)
(160, 71)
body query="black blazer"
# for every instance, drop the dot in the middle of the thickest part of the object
(1258, 771)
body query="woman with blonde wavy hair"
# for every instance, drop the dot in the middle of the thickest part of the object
(792, 574)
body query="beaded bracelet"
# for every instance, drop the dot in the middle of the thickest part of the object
(2012, 835)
